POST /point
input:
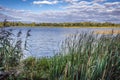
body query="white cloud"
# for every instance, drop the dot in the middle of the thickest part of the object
(71, 1)
(99, 0)
(80, 11)
(109, 4)
(45, 2)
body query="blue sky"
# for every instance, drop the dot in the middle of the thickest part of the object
(60, 10)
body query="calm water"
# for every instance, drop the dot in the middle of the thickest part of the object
(46, 41)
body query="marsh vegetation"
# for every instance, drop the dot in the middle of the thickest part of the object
(85, 56)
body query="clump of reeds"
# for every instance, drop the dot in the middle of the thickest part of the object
(88, 57)
(84, 56)
(11, 52)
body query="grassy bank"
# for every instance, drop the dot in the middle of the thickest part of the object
(82, 57)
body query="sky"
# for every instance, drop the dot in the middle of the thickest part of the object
(60, 10)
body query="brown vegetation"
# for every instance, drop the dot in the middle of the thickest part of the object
(107, 32)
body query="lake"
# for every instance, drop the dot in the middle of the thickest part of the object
(45, 41)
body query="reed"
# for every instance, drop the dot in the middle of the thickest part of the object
(85, 56)
(11, 54)
(10, 50)
(88, 57)
(82, 57)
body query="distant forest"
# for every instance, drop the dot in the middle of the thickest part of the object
(78, 24)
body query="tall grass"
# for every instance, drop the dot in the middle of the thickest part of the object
(88, 57)
(83, 57)
(11, 53)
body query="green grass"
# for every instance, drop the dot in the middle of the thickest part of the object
(82, 57)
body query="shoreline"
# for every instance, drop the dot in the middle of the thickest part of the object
(64, 27)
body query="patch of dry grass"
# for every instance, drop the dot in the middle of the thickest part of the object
(107, 32)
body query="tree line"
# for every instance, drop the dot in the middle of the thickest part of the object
(78, 24)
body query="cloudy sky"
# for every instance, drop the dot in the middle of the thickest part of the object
(60, 10)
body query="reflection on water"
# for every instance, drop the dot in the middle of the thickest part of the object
(46, 41)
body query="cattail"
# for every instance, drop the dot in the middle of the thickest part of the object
(28, 33)
(19, 33)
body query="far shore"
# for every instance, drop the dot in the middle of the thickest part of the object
(68, 26)
(64, 25)
(89, 27)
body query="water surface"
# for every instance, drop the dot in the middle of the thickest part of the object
(46, 41)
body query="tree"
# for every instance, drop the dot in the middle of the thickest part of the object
(5, 23)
